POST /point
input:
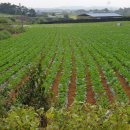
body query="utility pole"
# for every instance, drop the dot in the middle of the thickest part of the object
(21, 17)
(15, 19)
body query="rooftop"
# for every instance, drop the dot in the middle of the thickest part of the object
(104, 14)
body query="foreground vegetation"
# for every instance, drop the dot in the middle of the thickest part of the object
(80, 116)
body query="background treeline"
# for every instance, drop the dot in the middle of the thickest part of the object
(123, 11)
(8, 8)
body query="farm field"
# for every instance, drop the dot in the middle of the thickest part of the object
(84, 62)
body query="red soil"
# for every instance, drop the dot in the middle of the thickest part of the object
(90, 96)
(124, 84)
(72, 84)
(121, 78)
(57, 79)
(103, 80)
(5, 83)
(50, 64)
(14, 93)
(106, 87)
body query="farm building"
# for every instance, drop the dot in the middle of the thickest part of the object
(56, 15)
(98, 15)
(59, 15)
(83, 16)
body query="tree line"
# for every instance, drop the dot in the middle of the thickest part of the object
(8, 8)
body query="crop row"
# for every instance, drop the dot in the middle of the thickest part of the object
(79, 62)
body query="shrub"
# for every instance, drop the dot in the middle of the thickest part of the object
(21, 118)
(89, 117)
(15, 29)
(9, 26)
(80, 116)
(4, 20)
(3, 110)
(33, 93)
(4, 34)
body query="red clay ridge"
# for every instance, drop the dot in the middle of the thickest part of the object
(57, 79)
(90, 96)
(124, 84)
(72, 84)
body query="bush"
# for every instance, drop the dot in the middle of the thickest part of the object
(89, 117)
(21, 118)
(4, 34)
(4, 20)
(15, 29)
(8, 26)
(33, 93)
(80, 116)
(3, 110)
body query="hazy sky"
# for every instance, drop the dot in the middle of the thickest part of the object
(58, 3)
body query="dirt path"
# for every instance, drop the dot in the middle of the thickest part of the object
(57, 79)
(121, 79)
(13, 94)
(90, 96)
(124, 84)
(50, 64)
(6, 82)
(106, 86)
(103, 80)
(72, 84)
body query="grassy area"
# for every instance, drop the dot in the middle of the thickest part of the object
(6, 15)
(124, 23)
(8, 27)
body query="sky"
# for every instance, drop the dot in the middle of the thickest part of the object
(61, 3)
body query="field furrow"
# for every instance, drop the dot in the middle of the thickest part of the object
(72, 84)
(56, 82)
